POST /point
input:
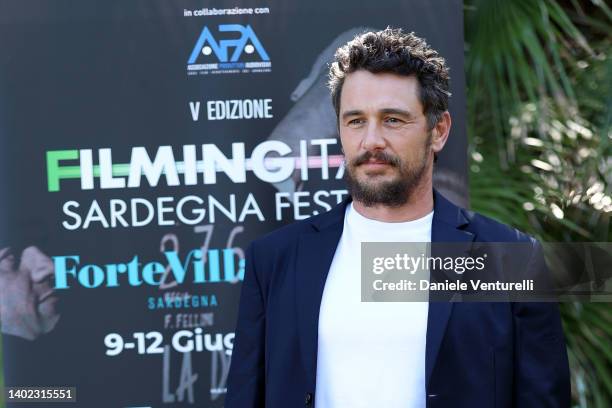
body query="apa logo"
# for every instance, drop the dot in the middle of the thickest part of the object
(228, 52)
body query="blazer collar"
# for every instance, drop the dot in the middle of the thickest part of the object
(315, 253)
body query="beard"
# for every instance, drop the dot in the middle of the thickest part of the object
(391, 193)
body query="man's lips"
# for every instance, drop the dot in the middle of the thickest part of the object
(376, 163)
(50, 294)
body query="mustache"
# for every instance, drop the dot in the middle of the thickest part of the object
(378, 156)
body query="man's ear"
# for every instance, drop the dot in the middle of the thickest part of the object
(440, 132)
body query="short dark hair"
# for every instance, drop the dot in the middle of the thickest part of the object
(391, 50)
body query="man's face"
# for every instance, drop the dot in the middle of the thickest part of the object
(385, 137)
(27, 298)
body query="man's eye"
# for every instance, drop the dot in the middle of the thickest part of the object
(393, 120)
(355, 121)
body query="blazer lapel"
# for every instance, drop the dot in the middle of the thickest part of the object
(447, 222)
(315, 253)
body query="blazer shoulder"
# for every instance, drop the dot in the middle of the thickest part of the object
(282, 234)
(282, 238)
(286, 236)
(488, 229)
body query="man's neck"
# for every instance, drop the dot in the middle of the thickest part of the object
(418, 205)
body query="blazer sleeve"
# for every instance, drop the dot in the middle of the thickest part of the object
(541, 377)
(246, 378)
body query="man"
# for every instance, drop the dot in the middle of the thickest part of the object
(303, 335)
(27, 298)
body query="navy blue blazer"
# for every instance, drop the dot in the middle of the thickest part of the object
(477, 354)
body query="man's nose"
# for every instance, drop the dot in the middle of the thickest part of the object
(373, 139)
(39, 265)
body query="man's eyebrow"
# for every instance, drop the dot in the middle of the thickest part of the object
(397, 111)
(354, 112)
(385, 111)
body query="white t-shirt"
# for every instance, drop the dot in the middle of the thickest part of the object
(370, 354)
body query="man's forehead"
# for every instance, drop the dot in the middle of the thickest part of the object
(363, 76)
(380, 92)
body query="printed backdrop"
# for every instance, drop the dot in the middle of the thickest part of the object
(143, 145)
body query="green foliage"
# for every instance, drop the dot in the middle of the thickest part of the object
(539, 98)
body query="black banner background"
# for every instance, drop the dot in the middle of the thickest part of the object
(91, 75)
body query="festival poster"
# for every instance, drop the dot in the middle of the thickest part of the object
(143, 146)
